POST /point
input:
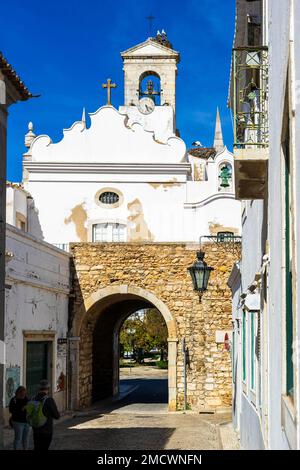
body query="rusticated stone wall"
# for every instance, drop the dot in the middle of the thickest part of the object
(161, 269)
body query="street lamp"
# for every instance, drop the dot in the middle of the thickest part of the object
(130, 332)
(200, 273)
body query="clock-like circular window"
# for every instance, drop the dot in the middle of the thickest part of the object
(109, 198)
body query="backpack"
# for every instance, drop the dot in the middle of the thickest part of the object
(35, 415)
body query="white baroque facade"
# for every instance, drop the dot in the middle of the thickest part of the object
(128, 176)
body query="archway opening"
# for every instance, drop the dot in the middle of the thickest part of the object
(105, 345)
(143, 340)
(98, 323)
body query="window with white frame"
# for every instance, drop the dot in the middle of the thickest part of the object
(109, 232)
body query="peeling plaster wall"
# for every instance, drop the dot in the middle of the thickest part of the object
(138, 229)
(76, 209)
(37, 287)
(78, 217)
(168, 212)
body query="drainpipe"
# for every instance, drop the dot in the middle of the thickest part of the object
(3, 124)
(184, 350)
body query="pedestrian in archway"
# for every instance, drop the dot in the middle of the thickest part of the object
(43, 411)
(18, 419)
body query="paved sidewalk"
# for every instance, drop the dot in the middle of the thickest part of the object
(229, 438)
(119, 431)
(155, 431)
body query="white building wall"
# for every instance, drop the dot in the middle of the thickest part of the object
(37, 288)
(276, 424)
(279, 37)
(234, 283)
(16, 205)
(253, 246)
(161, 120)
(20, 207)
(296, 78)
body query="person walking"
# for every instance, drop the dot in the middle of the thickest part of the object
(18, 418)
(43, 430)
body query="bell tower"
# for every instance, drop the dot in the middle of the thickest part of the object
(152, 58)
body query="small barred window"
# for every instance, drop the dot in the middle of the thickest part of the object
(109, 197)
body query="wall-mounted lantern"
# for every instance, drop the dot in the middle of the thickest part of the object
(200, 273)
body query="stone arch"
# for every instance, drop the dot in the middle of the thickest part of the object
(101, 301)
(147, 73)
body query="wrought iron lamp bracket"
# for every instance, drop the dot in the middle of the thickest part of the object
(231, 242)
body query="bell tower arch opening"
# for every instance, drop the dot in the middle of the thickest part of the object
(151, 57)
(150, 86)
(95, 356)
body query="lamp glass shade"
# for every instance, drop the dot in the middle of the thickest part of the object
(200, 273)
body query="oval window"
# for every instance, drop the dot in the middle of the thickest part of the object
(109, 197)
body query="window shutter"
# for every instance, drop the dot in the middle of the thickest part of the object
(258, 338)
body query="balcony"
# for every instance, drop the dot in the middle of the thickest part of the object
(62, 246)
(251, 124)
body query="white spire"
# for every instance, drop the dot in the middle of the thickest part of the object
(218, 140)
(83, 119)
(30, 136)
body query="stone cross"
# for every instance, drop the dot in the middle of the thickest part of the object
(109, 85)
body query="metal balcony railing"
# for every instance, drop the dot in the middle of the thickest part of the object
(250, 97)
(62, 246)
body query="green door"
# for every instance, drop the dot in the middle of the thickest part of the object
(37, 364)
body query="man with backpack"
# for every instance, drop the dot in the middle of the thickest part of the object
(41, 411)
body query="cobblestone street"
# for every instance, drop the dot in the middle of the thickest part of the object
(116, 431)
(139, 420)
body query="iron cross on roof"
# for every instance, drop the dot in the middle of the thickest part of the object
(150, 18)
(109, 85)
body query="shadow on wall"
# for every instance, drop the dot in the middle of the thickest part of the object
(34, 221)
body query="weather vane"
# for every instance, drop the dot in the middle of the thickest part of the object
(150, 18)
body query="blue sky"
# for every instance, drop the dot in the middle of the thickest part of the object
(64, 50)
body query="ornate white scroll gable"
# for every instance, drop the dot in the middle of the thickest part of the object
(108, 139)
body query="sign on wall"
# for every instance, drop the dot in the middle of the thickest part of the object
(12, 382)
(62, 347)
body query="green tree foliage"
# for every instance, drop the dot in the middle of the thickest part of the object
(142, 332)
(157, 331)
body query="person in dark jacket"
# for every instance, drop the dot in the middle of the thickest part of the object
(18, 418)
(42, 436)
